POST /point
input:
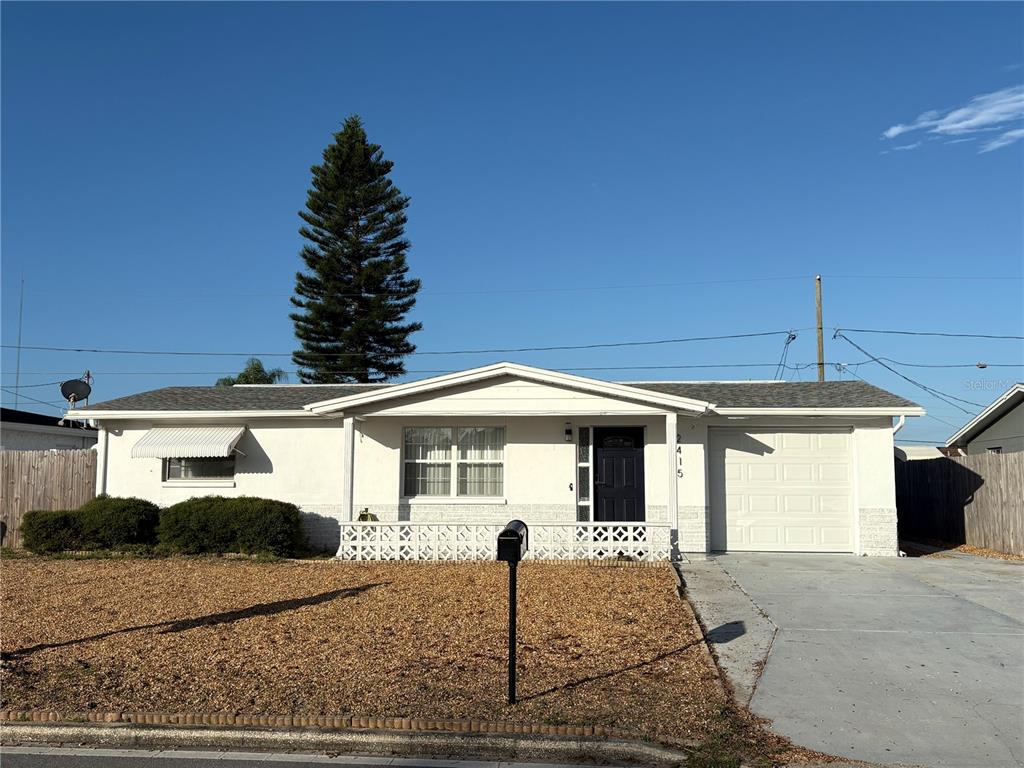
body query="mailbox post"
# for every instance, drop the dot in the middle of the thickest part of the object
(513, 544)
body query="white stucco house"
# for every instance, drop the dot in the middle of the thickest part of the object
(997, 429)
(596, 468)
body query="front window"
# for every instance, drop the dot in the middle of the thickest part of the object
(200, 469)
(454, 461)
(996, 449)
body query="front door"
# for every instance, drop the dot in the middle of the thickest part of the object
(619, 474)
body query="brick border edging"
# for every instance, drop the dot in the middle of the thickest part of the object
(333, 722)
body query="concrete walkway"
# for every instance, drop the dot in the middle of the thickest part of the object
(889, 660)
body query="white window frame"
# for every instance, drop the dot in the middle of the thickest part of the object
(221, 481)
(453, 495)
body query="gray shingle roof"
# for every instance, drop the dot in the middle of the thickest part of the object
(799, 394)
(273, 398)
(781, 394)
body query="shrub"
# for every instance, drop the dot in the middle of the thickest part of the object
(267, 526)
(116, 523)
(45, 531)
(218, 525)
(106, 522)
(197, 526)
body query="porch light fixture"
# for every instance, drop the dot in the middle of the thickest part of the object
(568, 431)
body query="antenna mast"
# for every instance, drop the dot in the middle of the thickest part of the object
(17, 363)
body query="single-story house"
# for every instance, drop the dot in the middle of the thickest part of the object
(434, 467)
(28, 431)
(997, 429)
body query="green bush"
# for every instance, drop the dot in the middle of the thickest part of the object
(115, 523)
(106, 522)
(196, 526)
(266, 526)
(46, 531)
(218, 525)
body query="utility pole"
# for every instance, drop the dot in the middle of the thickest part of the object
(17, 363)
(821, 338)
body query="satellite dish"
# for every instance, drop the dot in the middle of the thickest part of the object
(75, 390)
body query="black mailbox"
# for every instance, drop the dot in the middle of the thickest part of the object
(513, 542)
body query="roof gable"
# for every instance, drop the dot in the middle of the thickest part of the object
(374, 400)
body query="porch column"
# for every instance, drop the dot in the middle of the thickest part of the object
(673, 482)
(101, 460)
(348, 439)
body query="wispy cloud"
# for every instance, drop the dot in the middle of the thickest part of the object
(905, 147)
(1000, 110)
(1004, 140)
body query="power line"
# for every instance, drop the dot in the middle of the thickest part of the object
(926, 333)
(586, 288)
(949, 365)
(947, 398)
(785, 352)
(924, 277)
(602, 345)
(927, 415)
(439, 370)
(30, 386)
(787, 366)
(52, 404)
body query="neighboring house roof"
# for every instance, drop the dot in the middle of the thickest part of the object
(1005, 403)
(14, 416)
(698, 396)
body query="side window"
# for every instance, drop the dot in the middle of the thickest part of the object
(199, 469)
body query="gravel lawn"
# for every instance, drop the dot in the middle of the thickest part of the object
(599, 645)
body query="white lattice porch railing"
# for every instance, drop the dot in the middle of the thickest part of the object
(472, 541)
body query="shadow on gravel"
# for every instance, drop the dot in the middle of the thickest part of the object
(612, 673)
(213, 619)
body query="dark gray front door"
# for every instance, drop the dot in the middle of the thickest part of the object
(619, 474)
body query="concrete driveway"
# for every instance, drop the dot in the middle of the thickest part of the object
(890, 660)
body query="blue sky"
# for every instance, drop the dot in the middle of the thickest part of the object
(579, 174)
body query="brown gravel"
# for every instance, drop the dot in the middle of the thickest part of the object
(968, 549)
(598, 645)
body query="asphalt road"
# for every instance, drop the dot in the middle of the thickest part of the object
(59, 757)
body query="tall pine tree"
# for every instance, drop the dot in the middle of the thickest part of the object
(354, 295)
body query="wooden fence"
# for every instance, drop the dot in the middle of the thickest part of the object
(59, 479)
(976, 500)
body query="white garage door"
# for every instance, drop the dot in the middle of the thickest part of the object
(780, 490)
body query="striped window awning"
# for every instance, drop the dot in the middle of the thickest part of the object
(187, 442)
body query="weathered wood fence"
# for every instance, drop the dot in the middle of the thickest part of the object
(976, 500)
(59, 479)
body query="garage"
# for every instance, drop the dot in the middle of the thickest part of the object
(781, 490)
